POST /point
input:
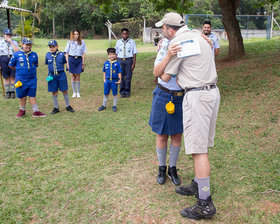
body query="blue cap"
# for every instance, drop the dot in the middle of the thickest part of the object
(7, 31)
(52, 43)
(26, 40)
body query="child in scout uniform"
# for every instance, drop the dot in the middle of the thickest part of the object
(126, 53)
(57, 78)
(112, 77)
(7, 48)
(25, 62)
(75, 56)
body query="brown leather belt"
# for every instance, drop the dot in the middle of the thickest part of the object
(172, 92)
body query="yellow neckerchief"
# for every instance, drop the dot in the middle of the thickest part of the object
(111, 67)
(125, 41)
(54, 61)
(26, 55)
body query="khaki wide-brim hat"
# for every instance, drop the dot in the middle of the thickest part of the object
(172, 18)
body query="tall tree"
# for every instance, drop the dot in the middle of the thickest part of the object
(236, 47)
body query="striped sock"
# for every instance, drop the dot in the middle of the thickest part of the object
(7, 88)
(12, 87)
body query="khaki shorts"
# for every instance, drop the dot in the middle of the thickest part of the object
(200, 111)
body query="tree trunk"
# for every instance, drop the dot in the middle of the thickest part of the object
(63, 27)
(21, 21)
(236, 47)
(53, 25)
(33, 22)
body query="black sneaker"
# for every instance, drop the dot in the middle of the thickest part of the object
(13, 95)
(191, 189)
(8, 95)
(114, 108)
(122, 95)
(70, 109)
(127, 95)
(55, 111)
(172, 174)
(203, 209)
(101, 108)
(161, 174)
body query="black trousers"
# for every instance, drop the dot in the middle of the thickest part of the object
(125, 85)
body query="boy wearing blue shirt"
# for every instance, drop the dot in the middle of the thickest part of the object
(25, 62)
(57, 78)
(112, 77)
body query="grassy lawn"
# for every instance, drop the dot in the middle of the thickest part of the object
(101, 167)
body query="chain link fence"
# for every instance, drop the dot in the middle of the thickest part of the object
(251, 26)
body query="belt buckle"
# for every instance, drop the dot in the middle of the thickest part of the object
(123, 59)
(76, 57)
(178, 93)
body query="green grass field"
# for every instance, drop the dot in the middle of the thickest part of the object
(101, 167)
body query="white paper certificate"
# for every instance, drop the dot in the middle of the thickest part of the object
(189, 48)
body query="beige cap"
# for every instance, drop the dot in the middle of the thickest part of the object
(172, 18)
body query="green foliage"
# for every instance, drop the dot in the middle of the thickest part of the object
(173, 5)
(133, 25)
(28, 30)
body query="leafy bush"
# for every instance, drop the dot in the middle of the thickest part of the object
(28, 32)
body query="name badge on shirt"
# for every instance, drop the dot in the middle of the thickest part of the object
(189, 48)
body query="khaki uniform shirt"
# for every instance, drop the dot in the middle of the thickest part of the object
(193, 71)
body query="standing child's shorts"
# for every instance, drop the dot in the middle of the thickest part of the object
(59, 82)
(111, 84)
(28, 88)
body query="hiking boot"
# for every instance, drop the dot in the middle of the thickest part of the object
(114, 108)
(55, 110)
(21, 113)
(70, 109)
(161, 174)
(38, 114)
(8, 95)
(191, 189)
(203, 209)
(172, 174)
(101, 108)
(13, 95)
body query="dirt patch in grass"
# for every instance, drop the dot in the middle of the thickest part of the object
(270, 207)
(87, 104)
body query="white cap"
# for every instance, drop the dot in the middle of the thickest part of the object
(172, 18)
